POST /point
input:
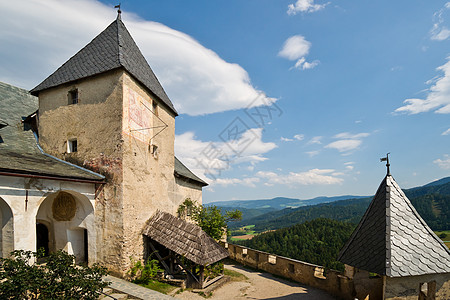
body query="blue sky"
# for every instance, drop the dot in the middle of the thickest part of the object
(276, 98)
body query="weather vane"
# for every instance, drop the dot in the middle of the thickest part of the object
(386, 159)
(118, 11)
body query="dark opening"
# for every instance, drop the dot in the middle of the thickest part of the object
(73, 96)
(42, 238)
(73, 146)
(85, 238)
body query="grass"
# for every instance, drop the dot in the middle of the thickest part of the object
(161, 287)
(248, 226)
(235, 276)
(445, 239)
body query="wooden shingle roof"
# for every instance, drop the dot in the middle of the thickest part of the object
(393, 240)
(184, 238)
(111, 49)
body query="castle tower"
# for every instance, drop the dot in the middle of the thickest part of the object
(394, 242)
(104, 109)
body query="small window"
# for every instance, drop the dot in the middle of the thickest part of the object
(291, 268)
(73, 96)
(72, 146)
(155, 107)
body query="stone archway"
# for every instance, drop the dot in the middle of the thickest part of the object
(69, 218)
(7, 229)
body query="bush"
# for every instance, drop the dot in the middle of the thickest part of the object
(443, 235)
(59, 278)
(143, 274)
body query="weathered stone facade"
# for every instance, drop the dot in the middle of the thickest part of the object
(123, 127)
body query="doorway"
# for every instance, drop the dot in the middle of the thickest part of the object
(42, 238)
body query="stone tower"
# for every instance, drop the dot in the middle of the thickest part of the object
(104, 109)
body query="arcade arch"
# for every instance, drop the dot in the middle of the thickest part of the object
(65, 220)
(7, 229)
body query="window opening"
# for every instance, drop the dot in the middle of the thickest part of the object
(72, 146)
(73, 96)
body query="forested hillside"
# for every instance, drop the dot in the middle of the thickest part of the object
(318, 242)
(432, 201)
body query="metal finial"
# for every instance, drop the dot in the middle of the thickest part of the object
(118, 11)
(386, 159)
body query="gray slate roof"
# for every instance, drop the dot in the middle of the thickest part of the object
(393, 240)
(184, 238)
(19, 152)
(111, 49)
(183, 171)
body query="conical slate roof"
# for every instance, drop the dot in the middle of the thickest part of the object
(393, 240)
(111, 49)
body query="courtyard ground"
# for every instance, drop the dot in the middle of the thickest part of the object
(259, 285)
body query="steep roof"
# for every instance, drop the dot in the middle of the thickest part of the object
(183, 171)
(19, 152)
(184, 238)
(393, 240)
(111, 49)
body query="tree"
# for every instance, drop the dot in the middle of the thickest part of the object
(59, 278)
(209, 218)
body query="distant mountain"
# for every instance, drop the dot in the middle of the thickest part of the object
(277, 203)
(438, 182)
(431, 201)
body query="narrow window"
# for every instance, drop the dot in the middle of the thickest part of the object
(291, 268)
(72, 146)
(73, 96)
(155, 107)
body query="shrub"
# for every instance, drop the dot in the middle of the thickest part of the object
(59, 278)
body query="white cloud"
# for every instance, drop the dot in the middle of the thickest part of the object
(344, 145)
(299, 137)
(210, 159)
(447, 132)
(286, 139)
(443, 163)
(315, 140)
(349, 167)
(224, 182)
(306, 6)
(313, 153)
(347, 135)
(296, 48)
(42, 35)
(313, 176)
(440, 32)
(437, 99)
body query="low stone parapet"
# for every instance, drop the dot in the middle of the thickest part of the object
(333, 282)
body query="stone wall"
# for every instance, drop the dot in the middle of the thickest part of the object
(96, 123)
(334, 282)
(409, 288)
(357, 286)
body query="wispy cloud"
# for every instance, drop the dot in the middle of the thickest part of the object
(447, 132)
(315, 140)
(313, 176)
(225, 182)
(283, 139)
(440, 32)
(304, 6)
(210, 159)
(296, 48)
(298, 137)
(313, 153)
(437, 99)
(41, 35)
(443, 163)
(347, 141)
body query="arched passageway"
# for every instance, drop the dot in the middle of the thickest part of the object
(68, 217)
(7, 229)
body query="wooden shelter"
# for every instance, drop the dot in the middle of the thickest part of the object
(183, 239)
